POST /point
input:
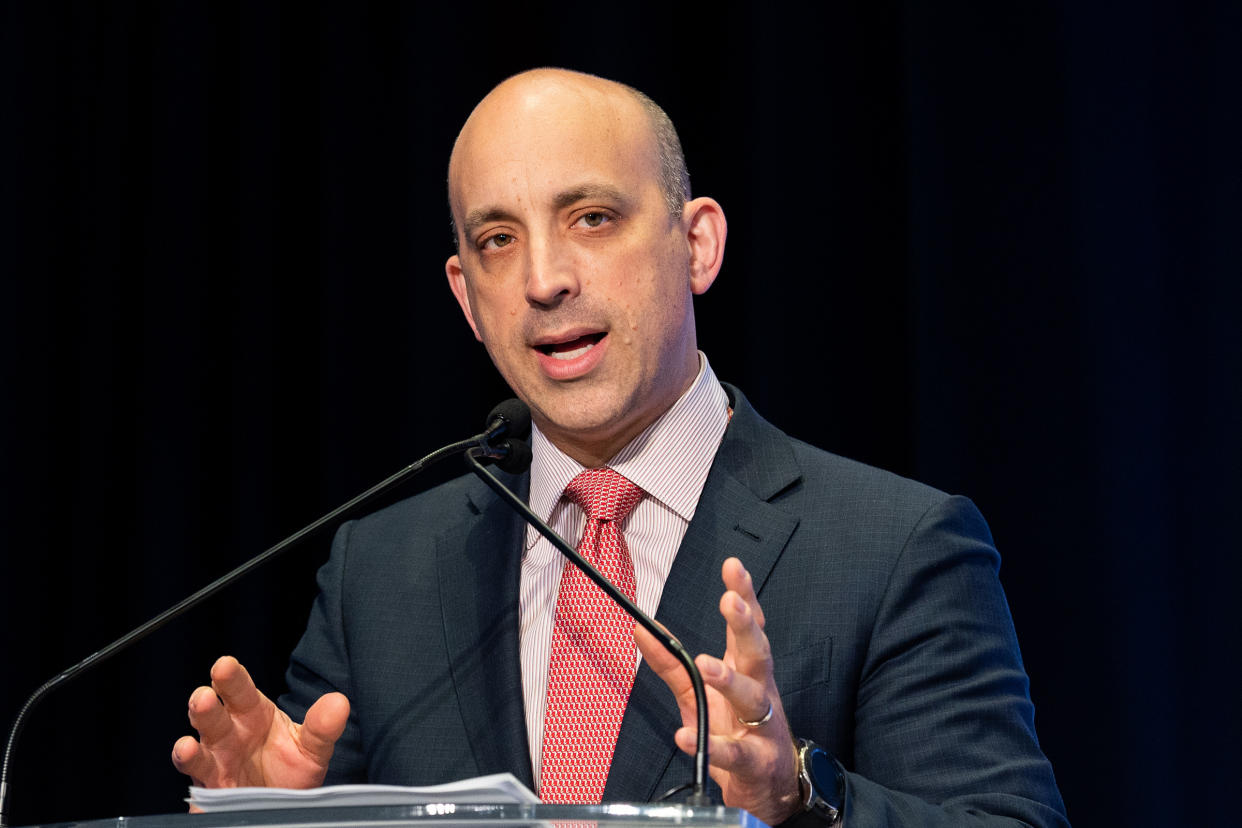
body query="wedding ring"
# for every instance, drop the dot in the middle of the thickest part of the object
(757, 722)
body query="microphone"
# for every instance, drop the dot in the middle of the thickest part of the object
(509, 420)
(519, 452)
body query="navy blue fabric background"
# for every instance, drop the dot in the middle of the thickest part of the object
(995, 249)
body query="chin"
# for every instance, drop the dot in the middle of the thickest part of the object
(584, 420)
(587, 416)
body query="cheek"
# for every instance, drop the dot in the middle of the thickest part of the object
(492, 314)
(666, 292)
(649, 282)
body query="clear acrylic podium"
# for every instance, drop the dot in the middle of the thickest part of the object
(446, 815)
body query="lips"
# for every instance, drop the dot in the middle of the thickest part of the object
(571, 348)
(571, 355)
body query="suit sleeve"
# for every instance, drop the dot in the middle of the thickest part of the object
(320, 663)
(944, 726)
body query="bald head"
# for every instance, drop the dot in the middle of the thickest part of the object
(539, 96)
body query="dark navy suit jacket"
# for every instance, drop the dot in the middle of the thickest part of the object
(892, 641)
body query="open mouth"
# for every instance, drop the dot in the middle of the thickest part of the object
(571, 348)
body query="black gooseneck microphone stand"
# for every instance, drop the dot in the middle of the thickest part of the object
(520, 453)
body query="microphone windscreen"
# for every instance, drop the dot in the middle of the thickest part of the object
(517, 457)
(516, 414)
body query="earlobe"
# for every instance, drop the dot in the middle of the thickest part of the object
(457, 283)
(706, 228)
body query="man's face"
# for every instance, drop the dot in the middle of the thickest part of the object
(571, 270)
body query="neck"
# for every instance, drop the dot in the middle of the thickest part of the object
(592, 452)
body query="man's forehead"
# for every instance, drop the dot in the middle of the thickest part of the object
(548, 132)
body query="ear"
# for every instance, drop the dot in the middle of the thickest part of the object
(703, 221)
(457, 283)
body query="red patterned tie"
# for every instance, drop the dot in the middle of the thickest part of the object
(591, 670)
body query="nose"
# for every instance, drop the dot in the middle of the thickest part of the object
(551, 277)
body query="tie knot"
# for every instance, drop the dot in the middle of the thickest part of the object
(604, 494)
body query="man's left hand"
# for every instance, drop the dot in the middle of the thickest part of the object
(755, 766)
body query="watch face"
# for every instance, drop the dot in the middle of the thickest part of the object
(825, 777)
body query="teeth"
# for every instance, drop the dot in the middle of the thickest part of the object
(574, 354)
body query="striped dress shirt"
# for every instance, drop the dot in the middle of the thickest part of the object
(669, 461)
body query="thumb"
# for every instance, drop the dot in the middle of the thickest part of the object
(324, 724)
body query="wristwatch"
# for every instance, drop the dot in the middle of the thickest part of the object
(821, 783)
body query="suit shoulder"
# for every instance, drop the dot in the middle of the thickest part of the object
(777, 466)
(823, 468)
(866, 502)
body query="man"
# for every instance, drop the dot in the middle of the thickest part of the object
(861, 611)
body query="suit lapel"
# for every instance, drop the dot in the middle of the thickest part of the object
(479, 566)
(733, 519)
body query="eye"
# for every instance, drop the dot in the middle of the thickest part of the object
(495, 241)
(594, 219)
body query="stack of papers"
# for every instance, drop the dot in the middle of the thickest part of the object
(497, 789)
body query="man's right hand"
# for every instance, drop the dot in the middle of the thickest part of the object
(244, 739)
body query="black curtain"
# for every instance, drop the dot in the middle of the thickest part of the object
(995, 247)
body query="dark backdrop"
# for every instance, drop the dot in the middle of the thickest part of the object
(996, 247)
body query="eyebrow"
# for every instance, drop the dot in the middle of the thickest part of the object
(566, 198)
(588, 192)
(477, 218)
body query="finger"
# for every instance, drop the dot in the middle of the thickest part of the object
(749, 699)
(324, 724)
(208, 716)
(737, 578)
(670, 670)
(686, 739)
(723, 753)
(661, 661)
(234, 686)
(195, 761)
(748, 647)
